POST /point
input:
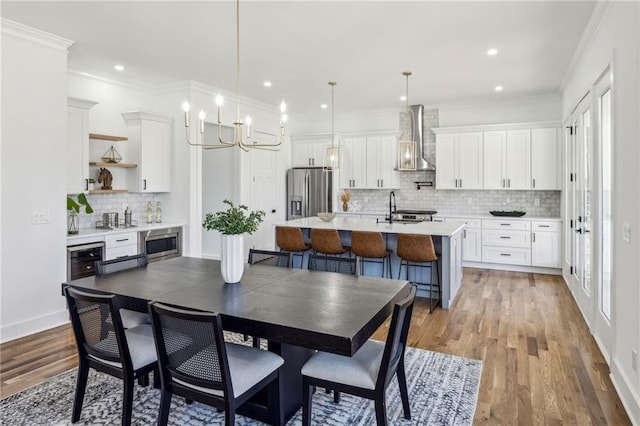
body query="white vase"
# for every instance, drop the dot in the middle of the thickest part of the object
(232, 258)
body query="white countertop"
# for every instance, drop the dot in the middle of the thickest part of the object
(490, 216)
(443, 229)
(90, 235)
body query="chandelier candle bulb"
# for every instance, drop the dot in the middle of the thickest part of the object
(248, 122)
(201, 117)
(186, 107)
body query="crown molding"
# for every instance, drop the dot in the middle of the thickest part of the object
(43, 38)
(523, 100)
(137, 115)
(126, 83)
(600, 10)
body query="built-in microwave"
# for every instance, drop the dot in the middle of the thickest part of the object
(160, 244)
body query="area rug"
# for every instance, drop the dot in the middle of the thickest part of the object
(443, 390)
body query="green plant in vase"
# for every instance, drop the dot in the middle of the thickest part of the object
(73, 209)
(232, 224)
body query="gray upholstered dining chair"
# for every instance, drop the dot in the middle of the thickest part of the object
(129, 318)
(367, 373)
(196, 363)
(104, 345)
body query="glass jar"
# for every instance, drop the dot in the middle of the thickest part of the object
(149, 212)
(72, 222)
(158, 213)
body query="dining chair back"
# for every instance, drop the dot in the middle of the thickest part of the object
(268, 257)
(196, 363)
(321, 262)
(104, 345)
(369, 372)
(103, 267)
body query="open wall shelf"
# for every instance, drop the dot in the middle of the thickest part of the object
(105, 164)
(107, 137)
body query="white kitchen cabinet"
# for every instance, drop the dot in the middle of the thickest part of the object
(506, 241)
(78, 145)
(310, 151)
(353, 172)
(381, 161)
(121, 244)
(472, 238)
(459, 160)
(544, 159)
(545, 244)
(150, 147)
(506, 159)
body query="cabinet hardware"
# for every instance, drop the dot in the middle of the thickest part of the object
(508, 183)
(533, 237)
(579, 231)
(503, 183)
(543, 226)
(460, 183)
(273, 210)
(505, 224)
(505, 254)
(86, 184)
(505, 238)
(464, 233)
(121, 240)
(534, 183)
(144, 181)
(382, 183)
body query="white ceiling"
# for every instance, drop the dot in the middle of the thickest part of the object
(301, 45)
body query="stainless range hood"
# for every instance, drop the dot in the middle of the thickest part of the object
(417, 134)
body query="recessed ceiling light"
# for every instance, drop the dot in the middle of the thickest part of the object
(499, 88)
(492, 52)
(119, 67)
(267, 84)
(323, 106)
(403, 98)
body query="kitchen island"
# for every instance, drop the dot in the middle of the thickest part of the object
(447, 238)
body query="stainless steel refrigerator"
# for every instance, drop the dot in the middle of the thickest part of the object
(309, 191)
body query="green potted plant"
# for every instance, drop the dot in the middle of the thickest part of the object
(233, 223)
(73, 209)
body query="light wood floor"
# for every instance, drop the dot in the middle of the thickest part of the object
(541, 365)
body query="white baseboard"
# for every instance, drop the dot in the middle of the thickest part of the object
(630, 399)
(33, 325)
(515, 268)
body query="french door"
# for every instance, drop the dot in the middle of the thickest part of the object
(589, 249)
(581, 150)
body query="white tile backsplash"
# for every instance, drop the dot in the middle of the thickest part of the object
(104, 203)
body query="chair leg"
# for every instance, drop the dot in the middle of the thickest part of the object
(306, 402)
(336, 397)
(127, 400)
(230, 417)
(81, 385)
(381, 410)
(165, 404)
(404, 393)
(144, 380)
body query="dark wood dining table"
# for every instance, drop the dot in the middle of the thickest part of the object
(297, 311)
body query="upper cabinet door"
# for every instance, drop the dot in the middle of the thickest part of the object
(544, 159)
(388, 151)
(151, 146)
(446, 161)
(469, 160)
(518, 156)
(352, 169)
(494, 159)
(78, 145)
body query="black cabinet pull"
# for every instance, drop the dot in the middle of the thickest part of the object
(505, 238)
(144, 181)
(505, 254)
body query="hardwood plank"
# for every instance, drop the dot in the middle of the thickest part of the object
(540, 363)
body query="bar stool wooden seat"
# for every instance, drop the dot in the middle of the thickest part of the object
(370, 247)
(291, 240)
(416, 250)
(327, 241)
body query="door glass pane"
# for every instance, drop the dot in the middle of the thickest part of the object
(607, 244)
(585, 177)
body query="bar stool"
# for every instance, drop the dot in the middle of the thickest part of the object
(291, 240)
(327, 241)
(370, 247)
(417, 250)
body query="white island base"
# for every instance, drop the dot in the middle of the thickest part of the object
(447, 238)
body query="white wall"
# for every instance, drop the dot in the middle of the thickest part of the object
(619, 30)
(34, 85)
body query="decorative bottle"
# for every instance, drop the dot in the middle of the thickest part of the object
(149, 213)
(158, 213)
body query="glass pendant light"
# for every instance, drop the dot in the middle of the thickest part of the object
(332, 155)
(407, 146)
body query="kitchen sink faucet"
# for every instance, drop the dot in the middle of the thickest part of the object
(392, 205)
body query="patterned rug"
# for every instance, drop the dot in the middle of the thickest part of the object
(443, 390)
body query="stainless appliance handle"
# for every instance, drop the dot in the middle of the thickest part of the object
(306, 194)
(85, 246)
